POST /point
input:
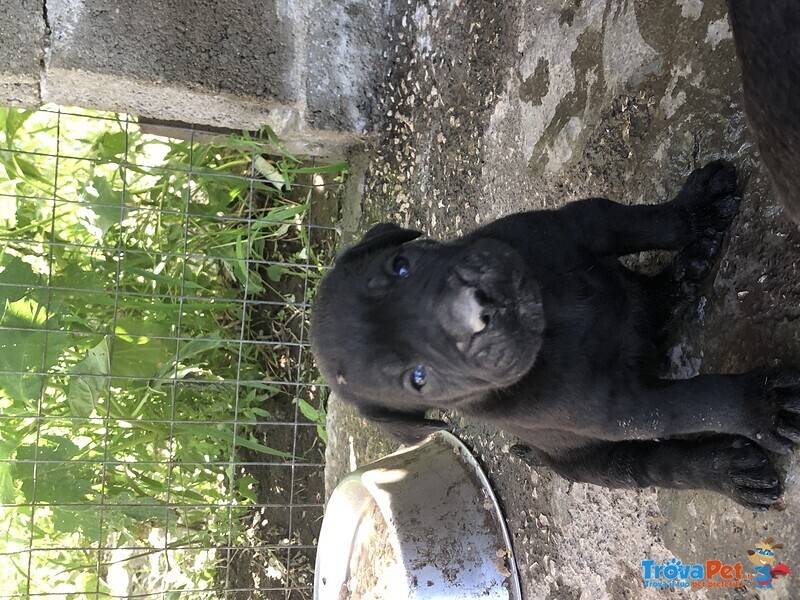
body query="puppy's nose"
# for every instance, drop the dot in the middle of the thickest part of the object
(463, 313)
(468, 310)
(487, 306)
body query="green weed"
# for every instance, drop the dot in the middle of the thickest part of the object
(128, 269)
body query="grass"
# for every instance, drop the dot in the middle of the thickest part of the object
(130, 267)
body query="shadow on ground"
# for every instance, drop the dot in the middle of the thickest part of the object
(493, 107)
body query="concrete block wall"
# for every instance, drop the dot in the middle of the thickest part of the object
(306, 68)
(22, 34)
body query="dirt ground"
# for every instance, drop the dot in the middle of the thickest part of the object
(494, 107)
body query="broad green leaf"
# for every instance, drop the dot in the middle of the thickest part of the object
(59, 479)
(14, 270)
(141, 360)
(69, 519)
(12, 119)
(28, 171)
(195, 347)
(88, 384)
(25, 348)
(8, 491)
(309, 412)
(106, 207)
(83, 276)
(275, 272)
(243, 484)
(113, 144)
(144, 351)
(128, 506)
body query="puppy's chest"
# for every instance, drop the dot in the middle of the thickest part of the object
(593, 312)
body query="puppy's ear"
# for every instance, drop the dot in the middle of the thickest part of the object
(385, 234)
(408, 427)
(380, 236)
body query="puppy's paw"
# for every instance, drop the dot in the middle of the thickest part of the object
(742, 471)
(682, 283)
(775, 409)
(708, 199)
(694, 263)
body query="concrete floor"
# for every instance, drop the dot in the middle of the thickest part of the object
(493, 107)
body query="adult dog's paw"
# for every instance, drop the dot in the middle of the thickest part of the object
(742, 471)
(708, 199)
(774, 405)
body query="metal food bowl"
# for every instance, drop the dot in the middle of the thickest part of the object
(421, 523)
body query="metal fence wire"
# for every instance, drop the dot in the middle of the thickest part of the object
(161, 420)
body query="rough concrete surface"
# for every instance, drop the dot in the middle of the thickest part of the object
(492, 107)
(342, 62)
(22, 31)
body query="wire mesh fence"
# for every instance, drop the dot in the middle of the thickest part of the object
(161, 420)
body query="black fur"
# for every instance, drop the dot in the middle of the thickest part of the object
(767, 37)
(532, 324)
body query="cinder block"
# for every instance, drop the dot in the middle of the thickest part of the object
(305, 68)
(22, 30)
(242, 48)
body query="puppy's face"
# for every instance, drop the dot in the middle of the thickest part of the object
(411, 325)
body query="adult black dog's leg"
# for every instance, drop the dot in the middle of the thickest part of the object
(766, 34)
(706, 203)
(730, 465)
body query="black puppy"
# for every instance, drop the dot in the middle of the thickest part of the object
(532, 324)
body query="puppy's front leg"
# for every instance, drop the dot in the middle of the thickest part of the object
(707, 202)
(730, 465)
(761, 405)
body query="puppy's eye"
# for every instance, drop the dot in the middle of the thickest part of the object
(400, 266)
(418, 376)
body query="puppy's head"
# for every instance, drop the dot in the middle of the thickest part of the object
(400, 326)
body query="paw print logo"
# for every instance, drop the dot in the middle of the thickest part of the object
(672, 568)
(763, 559)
